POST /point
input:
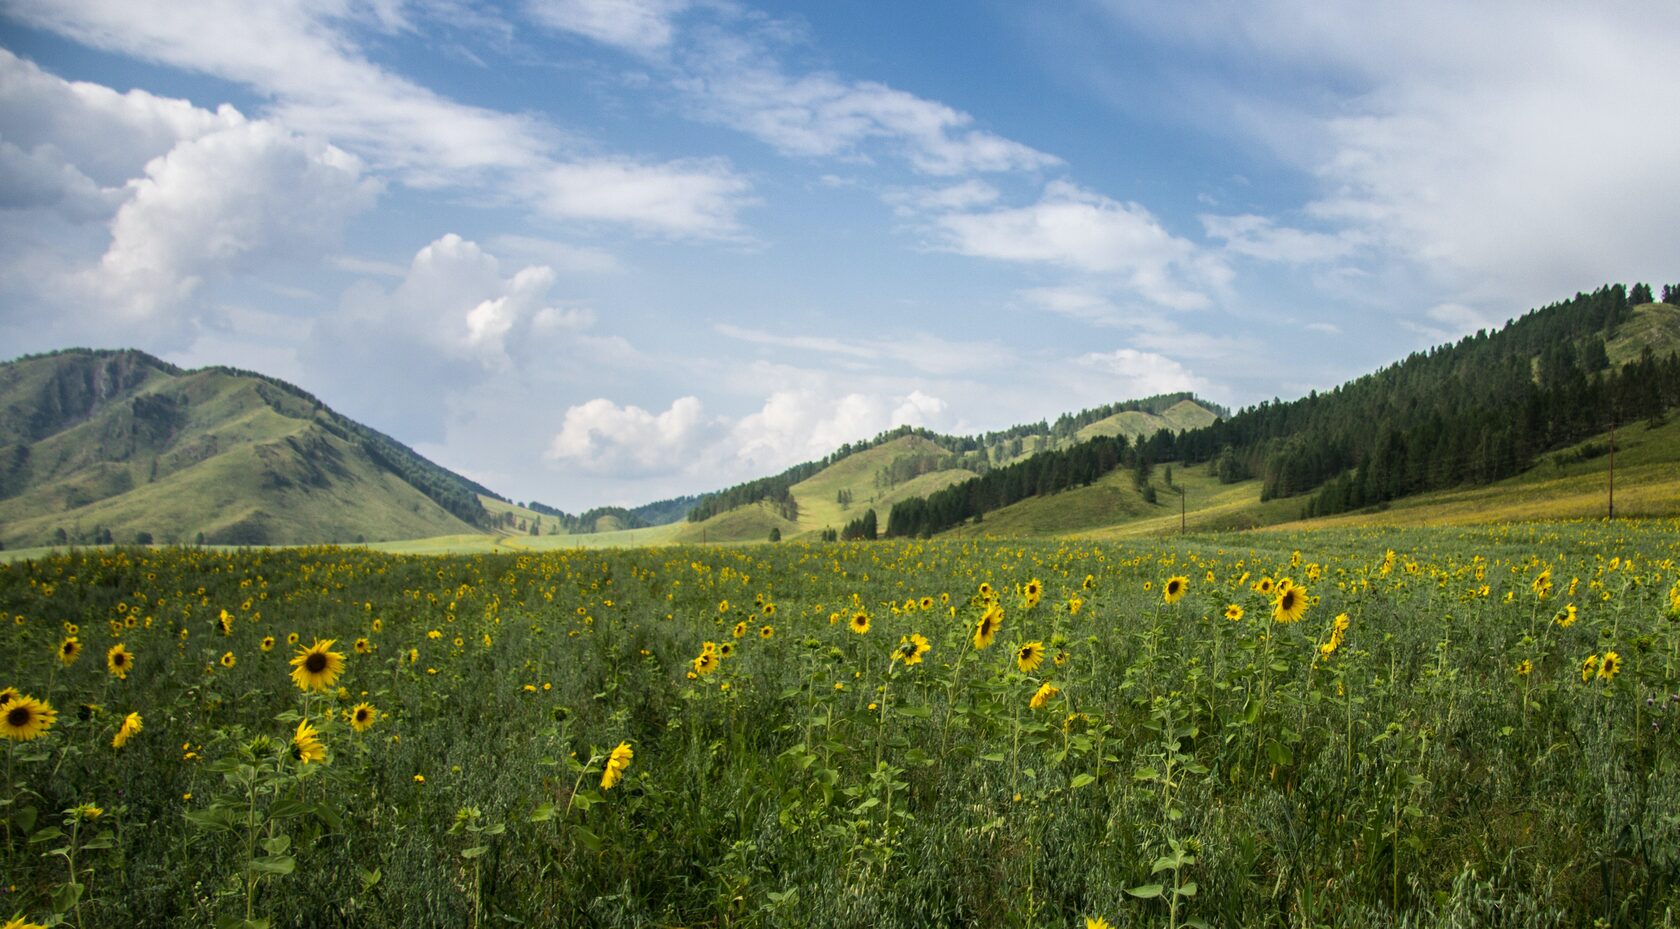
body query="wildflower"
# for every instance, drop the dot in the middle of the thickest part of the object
(317, 667)
(1097, 922)
(1175, 588)
(617, 762)
(130, 726)
(306, 744)
(228, 660)
(1589, 667)
(1075, 605)
(362, 646)
(740, 629)
(726, 649)
(926, 603)
(705, 663)
(1029, 656)
(859, 622)
(1032, 593)
(765, 632)
(1233, 612)
(1609, 666)
(911, 648)
(1045, 693)
(69, 650)
(1525, 667)
(224, 622)
(267, 643)
(1290, 605)
(118, 660)
(23, 717)
(986, 629)
(1090, 582)
(419, 778)
(363, 717)
(1566, 617)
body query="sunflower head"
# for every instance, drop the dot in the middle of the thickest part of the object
(306, 744)
(69, 650)
(765, 632)
(859, 622)
(1174, 588)
(118, 661)
(1029, 656)
(617, 762)
(740, 629)
(1290, 605)
(363, 716)
(228, 660)
(1046, 692)
(986, 629)
(317, 667)
(23, 717)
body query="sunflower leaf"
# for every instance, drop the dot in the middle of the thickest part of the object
(1146, 891)
(274, 864)
(543, 813)
(475, 851)
(1080, 780)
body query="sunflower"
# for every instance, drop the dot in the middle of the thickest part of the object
(1090, 582)
(317, 667)
(23, 717)
(224, 622)
(1263, 586)
(1609, 666)
(986, 592)
(1233, 612)
(363, 716)
(740, 629)
(616, 763)
(708, 646)
(363, 646)
(228, 660)
(1029, 656)
(69, 650)
(1525, 667)
(118, 661)
(1046, 692)
(1542, 584)
(1175, 588)
(926, 603)
(859, 622)
(1061, 658)
(1032, 593)
(769, 610)
(723, 606)
(726, 649)
(1097, 922)
(705, 663)
(986, 629)
(765, 632)
(1566, 617)
(130, 726)
(291, 638)
(306, 744)
(18, 922)
(267, 643)
(1290, 605)
(911, 648)
(1075, 605)
(1589, 667)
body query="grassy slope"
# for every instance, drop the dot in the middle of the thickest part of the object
(234, 461)
(1653, 324)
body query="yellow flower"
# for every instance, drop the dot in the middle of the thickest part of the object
(363, 716)
(705, 663)
(765, 632)
(986, 629)
(859, 622)
(911, 648)
(317, 667)
(1233, 612)
(1290, 605)
(1589, 667)
(267, 643)
(1075, 605)
(1029, 656)
(740, 629)
(228, 660)
(118, 660)
(130, 726)
(1525, 667)
(23, 717)
(1032, 593)
(306, 744)
(1045, 693)
(1566, 617)
(616, 763)
(1175, 588)
(1609, 666)
(69, 650)
(1097, 922)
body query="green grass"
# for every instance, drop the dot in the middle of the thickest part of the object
(1653, 325)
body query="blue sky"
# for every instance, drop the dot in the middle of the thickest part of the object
(608, 251)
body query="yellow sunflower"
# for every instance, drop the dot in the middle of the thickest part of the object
(1233, 612)
(617, 762)
(363, 716)
(228, 660)
(362, 646)
(911, 648)
(986, 629)
(765, 632)
(1589, 667)
(859, 622)
(1032, 593)
(1290, 605)
(1609, 666)
(69, 650)
(705, 663)
(23, 717)
(130, 726)
(118, 661)
(306, 744)
(1097, 922)
(1045, 693)
(1029, 656)
(267, 643)
(1175, 588)
(317, 667)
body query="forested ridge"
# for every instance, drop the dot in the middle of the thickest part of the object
(1474, 411)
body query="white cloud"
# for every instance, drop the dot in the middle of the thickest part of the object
(917, 351)
(697, 198)
(738, 82)
(563, 257)
(602, 437)
(1258, 237)
(1073, 228)
(455, 299)
(233, 199)
(641, 26)
(1144, 373)
(1508, 152)
(298, 54)
(967, 195)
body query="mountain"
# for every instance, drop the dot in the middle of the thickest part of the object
(1505, 424)
(119, 446)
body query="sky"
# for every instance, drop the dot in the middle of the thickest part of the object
(595, 252)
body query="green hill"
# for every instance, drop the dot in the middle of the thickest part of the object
(118, 446)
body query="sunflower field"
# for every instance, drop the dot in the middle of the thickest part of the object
(1422, 727)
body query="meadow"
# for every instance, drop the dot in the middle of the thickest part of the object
(1352, 727)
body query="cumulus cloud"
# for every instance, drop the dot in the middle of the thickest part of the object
(641, 26)
(1077, 229)
(1144, 373)
(693, 198)
(222, 202)
(602, 437)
